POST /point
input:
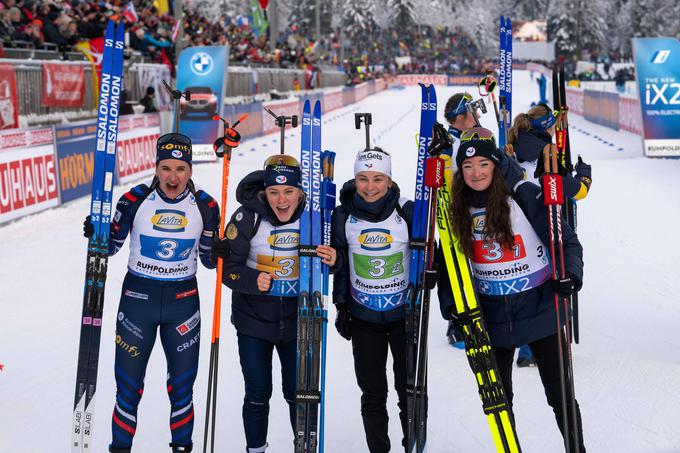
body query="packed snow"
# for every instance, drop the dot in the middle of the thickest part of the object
(627, 370)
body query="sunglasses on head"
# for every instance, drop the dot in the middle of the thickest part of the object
(281, 159)
(174, 137)
(477, 133)
(460, 109)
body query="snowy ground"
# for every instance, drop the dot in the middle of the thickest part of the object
(627, 368)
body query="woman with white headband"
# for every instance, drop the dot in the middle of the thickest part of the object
(370, 231)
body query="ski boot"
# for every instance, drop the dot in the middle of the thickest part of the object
(525, 358)
(181, 448)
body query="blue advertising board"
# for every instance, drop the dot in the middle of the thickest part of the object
(657, 64)
(75, 158)
(202, 70)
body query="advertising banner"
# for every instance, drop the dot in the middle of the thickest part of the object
(28, 179)
(136, 154)
(202, 70)
(63, 85)
(415, 79)
(9, 109)
(657, 65)
(464, 80)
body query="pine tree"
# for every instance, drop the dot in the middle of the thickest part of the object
(402, 14)
(358, 16)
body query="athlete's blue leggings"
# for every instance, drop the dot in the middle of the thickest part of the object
(147, 305)
(256, 363)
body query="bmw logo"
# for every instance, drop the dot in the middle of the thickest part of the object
(281, 179)
(201, 63)
(177, 154)
(470, 152)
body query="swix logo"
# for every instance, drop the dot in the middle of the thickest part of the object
(659, 93)
(661, 56)
(552, 189)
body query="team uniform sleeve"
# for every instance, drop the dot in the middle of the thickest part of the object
(341, 283)
(124, 216)
(236, 275)
(210, 212)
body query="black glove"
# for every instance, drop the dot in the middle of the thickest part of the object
(566, 286)
(583, 172)
(511, 171)
(431, 278)
(343, 322)
(220, 249)
(452, 316)
(88, 228)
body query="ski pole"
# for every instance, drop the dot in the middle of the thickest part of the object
(211, 406)
(367, 119)
(553, 195)
(281, 121)
(176, 97)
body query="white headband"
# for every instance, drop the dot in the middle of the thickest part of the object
(372, 160)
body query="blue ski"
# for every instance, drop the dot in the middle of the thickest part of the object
(508, 72)
(98, 245)
(502, 82)
(416, 312)
(328, 204)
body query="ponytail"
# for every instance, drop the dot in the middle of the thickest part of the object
(522, 123)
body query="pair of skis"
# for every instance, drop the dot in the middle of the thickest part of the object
(99, 244)
(317, 183)
(421, 260)
(505, 81)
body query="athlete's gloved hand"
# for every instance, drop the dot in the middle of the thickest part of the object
(88, 228)
(566, 286)
(343, 322)
(511, 171)
(220, 249)
(452, 316)
(583, 172)
(431, 277)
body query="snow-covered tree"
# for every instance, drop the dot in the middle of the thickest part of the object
(401, 13)
(358, 15)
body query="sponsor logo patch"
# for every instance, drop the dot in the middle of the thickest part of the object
(470, 152)
(188, 325)
(169, 220)
(284, 239)
(232, 232)
(375, 239)
(183, 294)
(239, 217)
(136, 295)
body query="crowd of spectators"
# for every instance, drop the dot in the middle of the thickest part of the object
(60, 24)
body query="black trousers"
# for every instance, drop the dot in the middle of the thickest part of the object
(370, 342)
(546, 353)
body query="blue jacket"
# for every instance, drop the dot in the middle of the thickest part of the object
(253, 312)
(528, 316)
(341, 272)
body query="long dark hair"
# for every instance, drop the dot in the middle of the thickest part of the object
(498, 226)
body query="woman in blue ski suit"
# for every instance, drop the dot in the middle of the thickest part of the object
(503, 228)
(170, 225)
(261, 267)
(370, 231)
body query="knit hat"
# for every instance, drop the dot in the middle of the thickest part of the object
(282, 170)
(477, 147)
(374, 159)
(173, 146)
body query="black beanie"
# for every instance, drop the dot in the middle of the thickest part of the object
(477, 147)
(173, 146)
